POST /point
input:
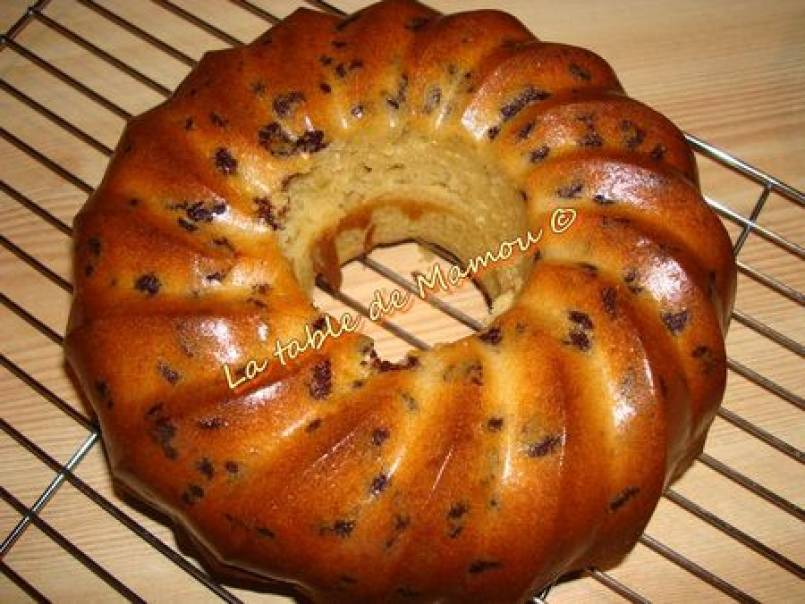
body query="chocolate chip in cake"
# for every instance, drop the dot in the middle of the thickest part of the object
(379, 436)
(658, 152)
(675, 321)
(357, 111)
(633, 135)
(457, 510)
(341, 528)
(321, 380)
(186, 225)
(482, 566)
(416, 23)
(258, 88)
(602, 200)
(205, 466)
(217, 120)
(232, 467)
(94, 246)
(338, 44)
(325, 60)
(581, 319)
(102, 389)
(275, 140)
(608, 300)
(379, 484)
(341, 70)
(312, 141)
(325, 88)
(539, 154)
(525, 131)
(578, 339)
(546, 446)
(492, 336)
(579, 72)
(591, 139)
(166, 371)
(285, 104)
(267, 213)
(313, 425)
(622, 498)
(494, 424)
(493, 132)
(192, 494)
(163, 431)
(706, 356)
(355, 64)
(224, 162)
(433, 99)
(571, 190)
(212, 423)
(528, 96)
(148, 283)
(264, 532)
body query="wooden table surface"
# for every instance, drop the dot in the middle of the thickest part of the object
(731, 72)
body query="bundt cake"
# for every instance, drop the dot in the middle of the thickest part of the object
(479, 470)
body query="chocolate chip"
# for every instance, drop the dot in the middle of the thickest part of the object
(546, 446)
(343, 528)
(579, 72)
(325, 60)
(94, 246)
(355, 64)
(357, 111)
(379, 436)
(325, 88)
(313, 425)
(312, 141)
(603, 200)
(162, 432)
(494, 424)
(581, 319)
(379, 484)
(212, 423)
(433, 99)
(258, 88)
(571, 190)
(619, 500)
(341, 70)
(591, 139)
(675, 321)
(200, 211)
(321, 380)
(224, 162)
(149, 284)
(539, 154)
(525, 131)
(526, 97)
(186, 225)
(590, 269)
(493, 132)
(189, 124)
(416, 23)
(658, 152)
(492, 336)
(267, 213)
(274, 139)
(218, 121)
(102, 388)
(579, 340)
(482, 566)
(192, 494)
(171, 375)
(265, 532)
(285, 104)
(608, 299)
(338, 44)
(457, 510)
(205, 466)
(231, 467)
(633, 136)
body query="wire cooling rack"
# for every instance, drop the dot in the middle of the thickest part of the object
(138, 526)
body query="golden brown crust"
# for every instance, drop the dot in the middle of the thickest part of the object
(480, 470)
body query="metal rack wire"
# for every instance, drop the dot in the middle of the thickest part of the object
(30, 515)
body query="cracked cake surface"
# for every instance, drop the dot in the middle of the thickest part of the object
(482, 469)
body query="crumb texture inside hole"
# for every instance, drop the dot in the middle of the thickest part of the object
(360, 193)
